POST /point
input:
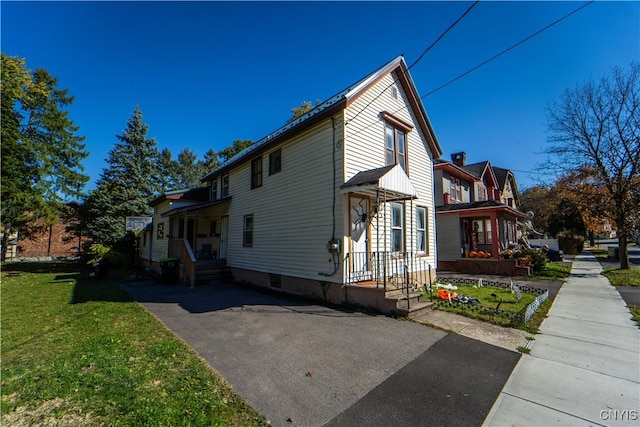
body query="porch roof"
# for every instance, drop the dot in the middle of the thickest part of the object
(195, 207)
(391, 181)
(478, 207)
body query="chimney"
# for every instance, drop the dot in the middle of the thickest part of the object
(459, 159)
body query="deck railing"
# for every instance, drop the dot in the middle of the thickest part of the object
(180, 248)
(388, 270)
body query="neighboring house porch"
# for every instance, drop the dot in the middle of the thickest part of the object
(488, 226)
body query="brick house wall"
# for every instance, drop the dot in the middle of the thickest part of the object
(52, 242)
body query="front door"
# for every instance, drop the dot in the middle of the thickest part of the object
(224, 233)
(359, 233)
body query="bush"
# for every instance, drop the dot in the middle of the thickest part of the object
(570, 243)
(97, 252)
(538, 258)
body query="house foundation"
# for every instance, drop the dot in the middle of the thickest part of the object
(498, 267)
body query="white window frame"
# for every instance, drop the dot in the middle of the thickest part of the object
(422, 233)
(397, 230)
(224, 186)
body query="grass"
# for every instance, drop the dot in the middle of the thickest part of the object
(80, 351)
(553, 271)
(489, 298)
(619, 277)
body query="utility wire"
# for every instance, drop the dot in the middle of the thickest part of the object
(491, 59)
(507, 50)
(417, 60)
(443, 34)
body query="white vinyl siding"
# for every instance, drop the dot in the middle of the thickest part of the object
(292, 209)
(366, 149)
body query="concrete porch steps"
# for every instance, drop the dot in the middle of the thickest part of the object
(212, 271)
(416, 305)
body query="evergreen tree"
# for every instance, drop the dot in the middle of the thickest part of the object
(210, 162)
(188, 170)
(127, 186)
(41, 151)
(166, 171)
(232, 150)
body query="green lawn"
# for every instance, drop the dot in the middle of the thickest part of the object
(553, 271)
(79, 351)
(619, 277)
(492, 298)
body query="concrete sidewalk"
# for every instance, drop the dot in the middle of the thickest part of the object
(584, 366)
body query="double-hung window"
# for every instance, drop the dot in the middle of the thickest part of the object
(482, 227)
(247, 231)
(456, 189)
(395, 137)
(213, 195)
(224, 186)
(397, 227)
(256, 173)
(275, 162)
(421, 230)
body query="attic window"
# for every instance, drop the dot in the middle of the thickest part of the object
(394, 92)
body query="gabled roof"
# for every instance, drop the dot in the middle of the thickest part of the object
(388, 180)
(340, 101)
(502, 175)
(480, 170)
(454, 170)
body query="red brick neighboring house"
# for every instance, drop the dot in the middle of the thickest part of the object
(53, 241)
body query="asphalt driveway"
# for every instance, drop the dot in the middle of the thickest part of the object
(300, 363)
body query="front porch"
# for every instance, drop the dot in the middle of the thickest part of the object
(389, 281)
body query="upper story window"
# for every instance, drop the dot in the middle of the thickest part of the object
(213, 191)
(482, 193)
(224, 186)
(396, 147)
(396, 131)
(275, 161)
(256, 173)
(455, 192)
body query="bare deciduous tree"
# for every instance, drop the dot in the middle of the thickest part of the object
(597, 126)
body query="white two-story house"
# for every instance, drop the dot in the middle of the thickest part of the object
(337, 204)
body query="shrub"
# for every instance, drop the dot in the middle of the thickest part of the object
(570, 243)
(538, 258)
(99, 251)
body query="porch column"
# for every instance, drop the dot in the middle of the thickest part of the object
(495, 235)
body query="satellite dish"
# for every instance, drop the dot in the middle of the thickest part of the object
(530, 214)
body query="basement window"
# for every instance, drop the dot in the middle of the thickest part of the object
(276, 281)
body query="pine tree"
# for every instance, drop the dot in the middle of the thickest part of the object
(210, 162)
(127, 186)
(41, 151)
(189, 171)
(166, 171)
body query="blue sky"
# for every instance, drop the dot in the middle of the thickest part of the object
(207, 73)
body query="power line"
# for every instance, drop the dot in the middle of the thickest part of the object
(443, 34)
(417, 60)
(507, 50)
